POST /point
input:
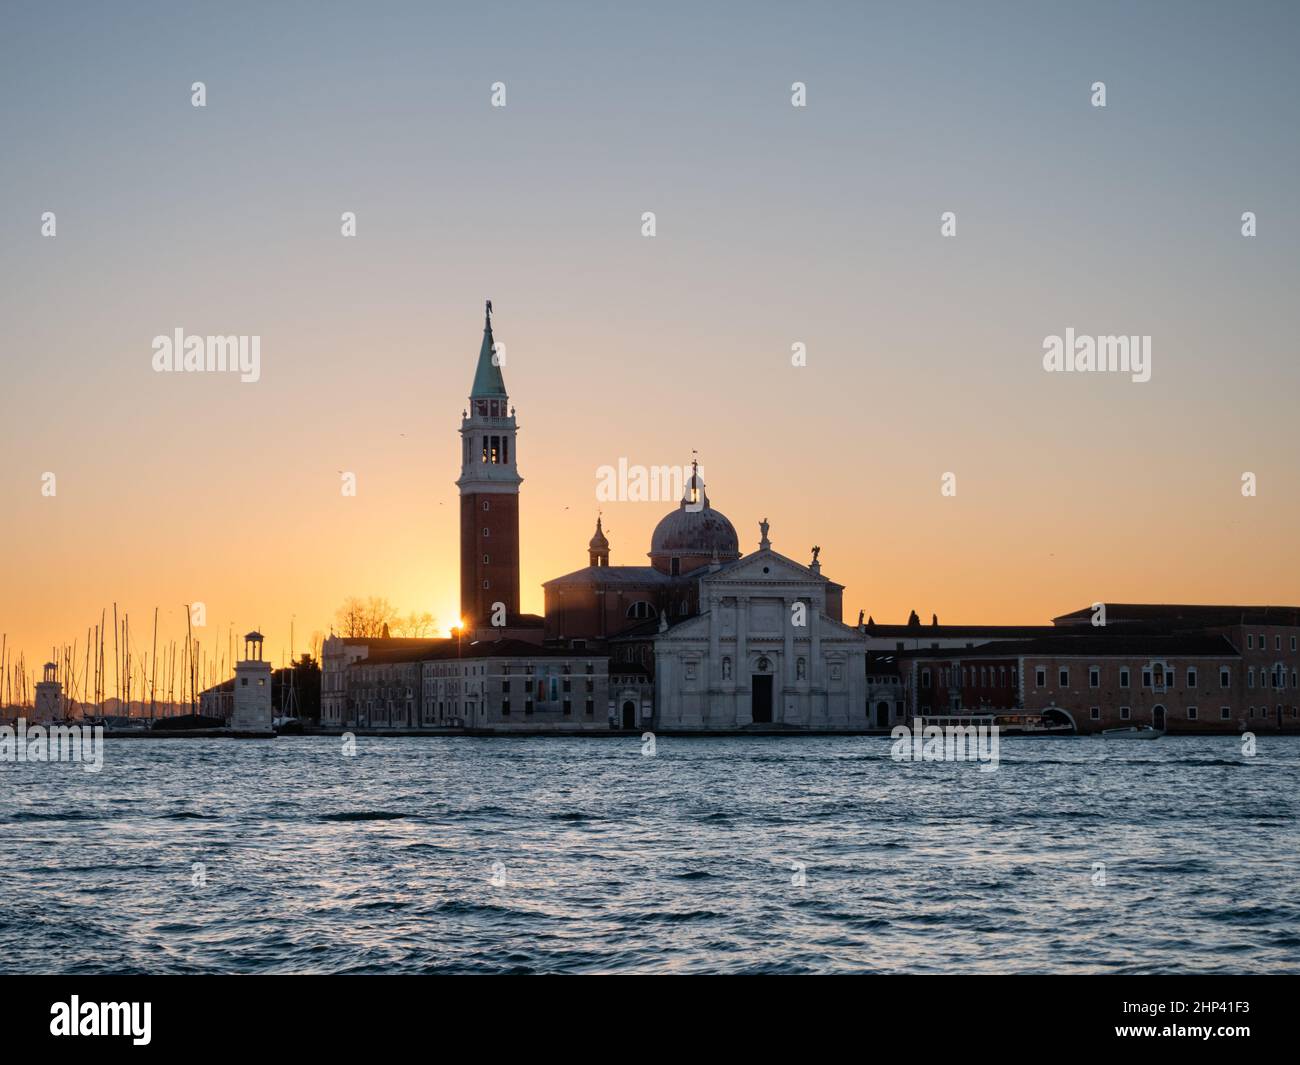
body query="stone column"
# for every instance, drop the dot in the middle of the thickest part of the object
(816, 674)
(666, 709)
(715, 645)
(788, 654)
(740, 670)
(817, 703)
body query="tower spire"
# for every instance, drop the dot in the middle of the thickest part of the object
(487, 375)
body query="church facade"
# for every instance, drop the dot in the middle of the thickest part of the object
(767, 650)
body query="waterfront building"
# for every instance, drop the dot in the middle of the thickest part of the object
(1180, 683)
(251, 711)
(498, 685)
(49, 704)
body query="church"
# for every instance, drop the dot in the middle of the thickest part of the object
(703, 638)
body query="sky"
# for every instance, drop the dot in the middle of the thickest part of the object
(775, 225)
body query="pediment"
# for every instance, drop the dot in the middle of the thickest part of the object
(762, 567)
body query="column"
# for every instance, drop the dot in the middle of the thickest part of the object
(744, 712)
(788, 655)
(818, 708)
(715, 645)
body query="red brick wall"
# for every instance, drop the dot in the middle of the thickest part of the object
(501, 519)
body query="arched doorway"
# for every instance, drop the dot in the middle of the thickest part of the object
(1158, 717)
(629, 714)
(882, 715)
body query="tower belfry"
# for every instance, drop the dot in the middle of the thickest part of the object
(489, 492)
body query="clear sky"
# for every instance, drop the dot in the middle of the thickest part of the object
(775, 225)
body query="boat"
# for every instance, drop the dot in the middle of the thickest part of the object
(1133, 732)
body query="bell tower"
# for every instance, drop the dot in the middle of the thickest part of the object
(489, 492)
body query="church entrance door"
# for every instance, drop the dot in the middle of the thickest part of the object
(629, 715)
(761, 699)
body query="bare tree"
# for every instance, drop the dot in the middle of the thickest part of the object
(415, 625)
(365, 617)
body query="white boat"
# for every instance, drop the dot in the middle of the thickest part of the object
(1133, 732)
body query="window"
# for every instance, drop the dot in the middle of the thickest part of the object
(1225, 712)
(1277, 643)
(1250, 677)
(568, 708)
(1094, 677)
(1250, 642)
(1123, 677)
(485, 504)
(486, 531)
(1064, 677)
(505, 705)
(1191, 713)
(1225, 677)
(1293, 643)
(925, 678)
(243, 682)
(1094, 712)
(641, 610)
(1040, 677)
(675, 566)
(487, 560)
(487, 584)
(1125, 713)
(1146, 678)
(591, 707)
(528, 706)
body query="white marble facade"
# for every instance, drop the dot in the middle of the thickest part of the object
(754, 658)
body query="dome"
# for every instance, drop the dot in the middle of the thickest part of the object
(599, 542)
(694, 533)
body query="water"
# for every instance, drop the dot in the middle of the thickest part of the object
(682, 862)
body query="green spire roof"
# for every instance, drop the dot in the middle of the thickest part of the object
(487, 377)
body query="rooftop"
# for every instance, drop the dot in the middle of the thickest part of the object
(1198, 614)
(1141, 644)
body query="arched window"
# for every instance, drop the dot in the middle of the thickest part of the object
(641, 610)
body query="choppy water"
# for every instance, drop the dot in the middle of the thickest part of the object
(613, 861)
